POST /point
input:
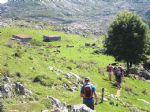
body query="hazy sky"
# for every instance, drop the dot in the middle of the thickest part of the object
(3, 1)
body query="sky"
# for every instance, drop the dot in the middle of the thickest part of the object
(3, 1)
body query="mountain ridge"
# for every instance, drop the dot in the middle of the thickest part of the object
(79, 16)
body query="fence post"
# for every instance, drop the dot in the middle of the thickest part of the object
(102, 95)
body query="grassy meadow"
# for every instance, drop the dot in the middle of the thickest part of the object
(34, 60)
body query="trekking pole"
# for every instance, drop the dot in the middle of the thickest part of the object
(102, 99)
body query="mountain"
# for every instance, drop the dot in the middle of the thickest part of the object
(77, 16)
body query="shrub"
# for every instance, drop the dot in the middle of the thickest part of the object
(44, 80)
(18, 74)
(18, 53)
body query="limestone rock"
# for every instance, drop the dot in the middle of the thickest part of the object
(81, 108)
(73, 75)
(21, 90)
(6, 90)
(58, 106)
(147, 65)
(45, 110)
(145, 74)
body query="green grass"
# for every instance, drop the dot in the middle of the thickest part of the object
(35, 61)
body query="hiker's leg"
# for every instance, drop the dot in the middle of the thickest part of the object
(91, 106)
(120, 81)
(118, 85)
(109, 76)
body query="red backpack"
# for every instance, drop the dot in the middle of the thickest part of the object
(88, 93)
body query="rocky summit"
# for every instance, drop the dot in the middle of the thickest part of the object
(76, 16)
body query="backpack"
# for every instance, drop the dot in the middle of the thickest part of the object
(109, 68)
(88, 93)
(118, 72)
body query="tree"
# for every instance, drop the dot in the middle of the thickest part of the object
(127, 37)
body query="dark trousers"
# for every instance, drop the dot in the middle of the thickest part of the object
(90, 105)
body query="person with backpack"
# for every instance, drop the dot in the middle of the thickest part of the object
(88, 92)
(118, 71)
(110, 71)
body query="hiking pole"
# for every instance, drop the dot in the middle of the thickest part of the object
(102, 99)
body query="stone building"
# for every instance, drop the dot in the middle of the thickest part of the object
(21, 38)
(51, 38)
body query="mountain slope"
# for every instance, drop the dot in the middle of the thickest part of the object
(76, 14)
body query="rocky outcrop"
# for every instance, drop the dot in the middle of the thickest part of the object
(73, 75)
(21, 90)
(58, 106)
(146, 65)
(7, 89)
(145, 74)
(141, 72)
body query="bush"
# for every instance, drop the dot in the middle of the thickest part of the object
(17, 54)
(44, 80)
(18, 74)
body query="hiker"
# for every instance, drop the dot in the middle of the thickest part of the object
(87, 92)
(118, 71)
(110, 71)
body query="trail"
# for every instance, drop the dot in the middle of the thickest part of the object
(118, 93)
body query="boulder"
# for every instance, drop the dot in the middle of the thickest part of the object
(58, 106)
(134, 71)
(21, 90)
(146, 65)
(81, 108)
(7, 79)
(6, 90)
(145, 74)
(73, 75)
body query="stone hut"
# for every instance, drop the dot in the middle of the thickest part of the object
(21, 38)
(51, 38)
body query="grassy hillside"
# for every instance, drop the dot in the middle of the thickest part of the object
(36, 60)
